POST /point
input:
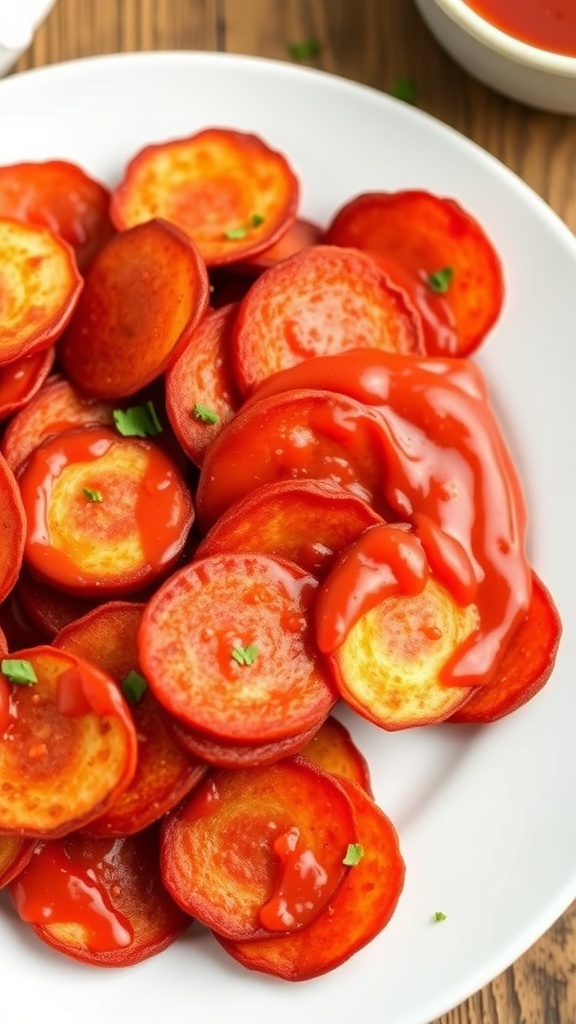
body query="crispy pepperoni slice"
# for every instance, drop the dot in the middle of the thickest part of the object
(144, 294)
(228, 190)
(100, 901)
(225, 644)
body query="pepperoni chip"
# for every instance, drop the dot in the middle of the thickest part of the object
(59, 195)
(67, 745)
(106, 514)
(12, 530)
(333, 749)
(260, 851)
(144, 294)
(225, 754)
(228, 190)
(58, 406)
(389, 666)
(201, 394)
(302, 433)
(164, 774)
(100, 901)
(359, 909)
(39, 288)
(225, 644)
(525, 666)
(436, 240)
(300, 235)
(323, 300)
(20, 380)
(306, 521)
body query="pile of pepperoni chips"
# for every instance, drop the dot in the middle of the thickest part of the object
(248, 472)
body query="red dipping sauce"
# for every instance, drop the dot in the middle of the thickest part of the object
(546, 24)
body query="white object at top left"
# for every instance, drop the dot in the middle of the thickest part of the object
(19, 20)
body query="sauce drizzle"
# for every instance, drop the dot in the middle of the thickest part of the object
(385, 560)
(53, 889)
(302, 888)
(446, 470)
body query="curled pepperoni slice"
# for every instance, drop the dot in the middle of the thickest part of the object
(437, 242)
(201, 394)
(144, 294)
(228, 190)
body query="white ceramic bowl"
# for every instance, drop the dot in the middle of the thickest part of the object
(533, 76)
(19, 20)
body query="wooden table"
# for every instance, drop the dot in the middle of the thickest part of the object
(375, 42)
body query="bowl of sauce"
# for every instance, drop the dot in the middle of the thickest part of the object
(524, 49)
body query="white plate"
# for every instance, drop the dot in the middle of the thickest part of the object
(487, 817)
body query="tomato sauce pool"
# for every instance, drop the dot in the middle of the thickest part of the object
(546, 24)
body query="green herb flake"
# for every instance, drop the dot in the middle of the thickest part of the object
(439, 915)
(133, 687)
(91, 495)
(353, 855)
(233, 234)
(441, 280)
(204, 414)
(404, 89)
(17, 670)
(138, 421)
(308, 49)
(244, 655)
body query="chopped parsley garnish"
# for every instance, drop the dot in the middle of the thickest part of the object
(232, 234)
(133, 687)
(244, 655)
(308, 49)
(404, 89)
(138, 421)
(439, 915)
(17, 670)
(91, 495)
(441, 280)
(353, 854)
(204, 414)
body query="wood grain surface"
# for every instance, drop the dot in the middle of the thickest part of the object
(375, 42)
